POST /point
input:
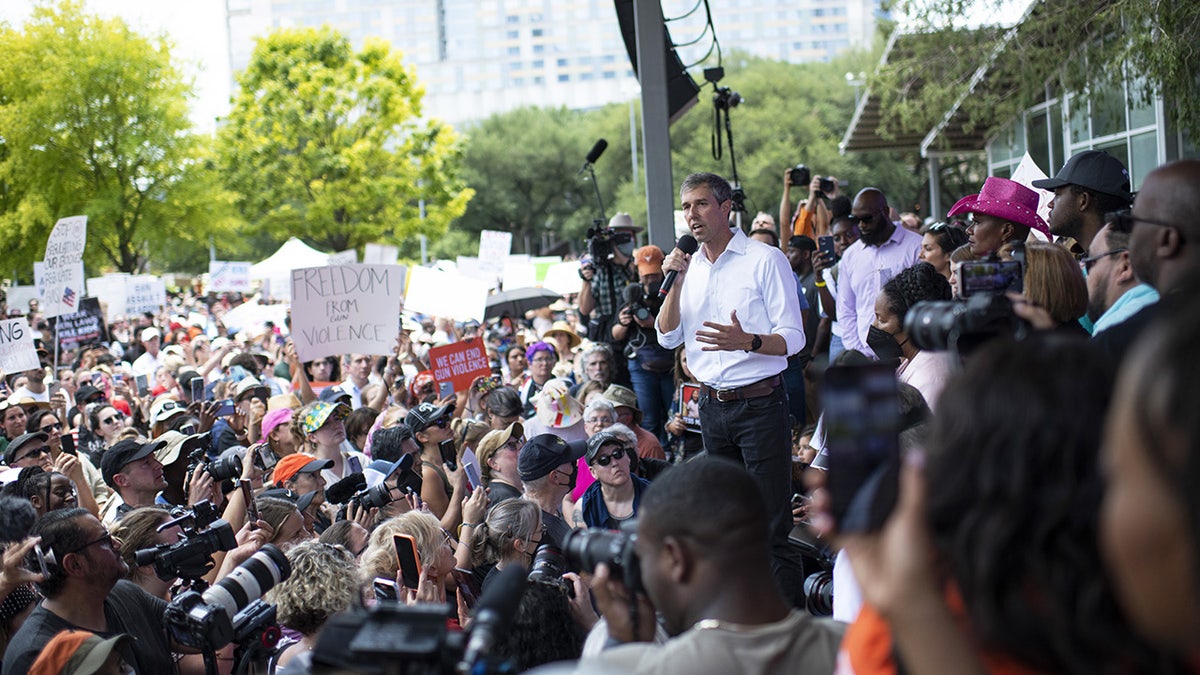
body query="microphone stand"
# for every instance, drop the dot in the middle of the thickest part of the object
(599, 199)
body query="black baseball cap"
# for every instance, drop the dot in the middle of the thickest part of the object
(595, 443)
(302, 501)
(10, 453)
(545, 453)
(124, 452)
(420, 417)
(802, 242)
(1095, 170)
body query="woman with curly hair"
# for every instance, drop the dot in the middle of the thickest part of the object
(434, 548)
(925, 370)
(323, 582)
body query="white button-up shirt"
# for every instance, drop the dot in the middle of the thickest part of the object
(754, 279)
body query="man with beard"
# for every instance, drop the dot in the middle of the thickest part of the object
(86, 589)
(1114, 293)
(135, 476)
(1162, 233)
(881, 252)
(1091, 184)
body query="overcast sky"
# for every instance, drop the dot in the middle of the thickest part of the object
(195, 27)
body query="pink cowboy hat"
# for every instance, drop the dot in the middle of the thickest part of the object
(1005, 199)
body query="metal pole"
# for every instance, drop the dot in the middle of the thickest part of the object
(656, 131)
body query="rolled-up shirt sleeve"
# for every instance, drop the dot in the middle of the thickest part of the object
(783, 302)
(670, 339)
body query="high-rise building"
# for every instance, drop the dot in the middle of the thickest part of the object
(479, 57)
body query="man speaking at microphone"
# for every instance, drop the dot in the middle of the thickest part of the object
(733, 305)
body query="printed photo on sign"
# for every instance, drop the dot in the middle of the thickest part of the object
(689, 405)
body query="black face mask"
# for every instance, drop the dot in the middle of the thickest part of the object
(884, 344)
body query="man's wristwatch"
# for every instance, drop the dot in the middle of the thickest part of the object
(756, 344)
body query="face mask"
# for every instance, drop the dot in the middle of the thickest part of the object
(626, 248)
(884, 344)
(652, 289)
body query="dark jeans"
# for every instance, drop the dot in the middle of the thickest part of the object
(793, 379)
(756, 434)
(654, 393)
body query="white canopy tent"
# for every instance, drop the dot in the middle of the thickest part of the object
(276, 271)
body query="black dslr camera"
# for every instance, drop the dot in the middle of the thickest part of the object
(585, 549)
(548, 568)
(802, 175)
(204, 533)
(982, 312)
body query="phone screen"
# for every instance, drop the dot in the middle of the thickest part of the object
(68, 443)
(143, 385)
(251, 505)
(196, 389)
(384, 589)
(449, 454)
(862, 436)
(981, 276)
(410, 562)
(473, 477)
(226, 408)
(825, 246)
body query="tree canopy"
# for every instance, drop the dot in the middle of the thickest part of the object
(325, 143)
(93, 120)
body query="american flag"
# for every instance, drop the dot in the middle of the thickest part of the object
(68, 297)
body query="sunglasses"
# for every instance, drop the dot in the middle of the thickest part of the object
(1123, 221)
(441, 422)
(617, 454)
(107, 539)
(57, 426)
(1090, 261)
(110, 420)
(36, 452)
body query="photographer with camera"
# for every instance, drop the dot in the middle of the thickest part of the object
(86, 590)
(606, 271)
(650, 365)
(812, 215)
(136, 476)
(701, 558)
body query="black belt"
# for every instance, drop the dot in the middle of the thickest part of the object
(755, 390)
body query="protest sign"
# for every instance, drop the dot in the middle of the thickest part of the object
(380, 254)
(447, 294)
(110, 290)
(1025, 173)
(345, 309)
(344, 258)
(228, 277)
(19, 297)
(563, 278)
(17, 352)
(519, 274)
(83, 327)
(494, 245)
(144, 293)
(459, 363)
(689, 405)
(62, 274)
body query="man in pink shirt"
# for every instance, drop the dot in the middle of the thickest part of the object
(882, 251)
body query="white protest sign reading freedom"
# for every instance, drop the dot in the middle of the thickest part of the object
(17, 351)
(342, 309)
(228, 277)
(447, 294)
(62, 275)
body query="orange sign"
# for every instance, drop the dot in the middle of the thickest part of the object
(459, 363)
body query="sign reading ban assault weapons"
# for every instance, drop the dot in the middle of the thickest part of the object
(343, 309)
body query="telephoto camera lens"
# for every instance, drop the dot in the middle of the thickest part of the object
(249, 581)
(225, 468)
(585, 549)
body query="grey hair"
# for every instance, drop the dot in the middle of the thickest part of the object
(599, 405)
(720, 188)
(624, 432)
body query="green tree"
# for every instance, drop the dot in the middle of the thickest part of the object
(523, 165)
(93, 120)
(1083, 48)
(325, 143)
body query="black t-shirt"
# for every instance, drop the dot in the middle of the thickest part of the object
(498, 492)
(127, 609)
(556, 529)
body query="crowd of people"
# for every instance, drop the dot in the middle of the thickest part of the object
(1046, 518)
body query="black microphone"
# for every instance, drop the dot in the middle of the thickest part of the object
(341, 491)
(594, 154)
(688, 244)
(16, 518)
(494, 613)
